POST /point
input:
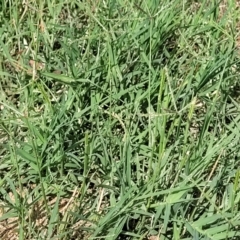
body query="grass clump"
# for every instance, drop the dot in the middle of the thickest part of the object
(119, 120)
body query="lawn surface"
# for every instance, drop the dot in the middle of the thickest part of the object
(119, 120)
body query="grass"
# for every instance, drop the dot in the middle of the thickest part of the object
(119, 120)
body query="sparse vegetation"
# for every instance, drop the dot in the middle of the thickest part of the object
(119, 120)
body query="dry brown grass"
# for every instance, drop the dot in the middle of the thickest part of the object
(38, 218)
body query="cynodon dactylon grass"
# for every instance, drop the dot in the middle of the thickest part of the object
(119, 120)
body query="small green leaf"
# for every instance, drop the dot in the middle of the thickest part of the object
(59, 77)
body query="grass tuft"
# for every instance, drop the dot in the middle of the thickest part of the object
(119, 120)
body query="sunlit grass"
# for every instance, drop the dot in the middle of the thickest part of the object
(119, 120)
